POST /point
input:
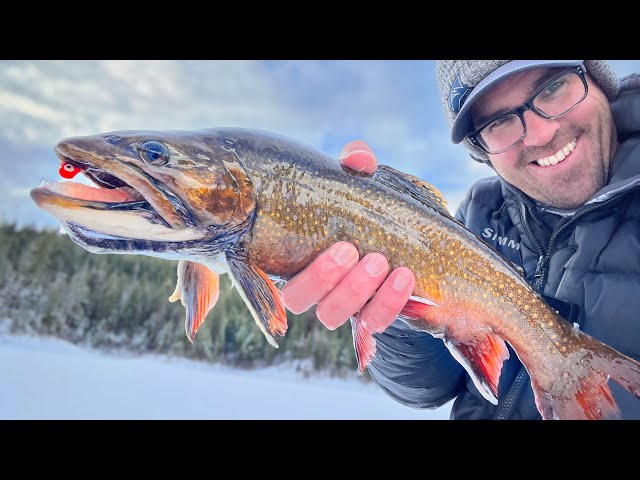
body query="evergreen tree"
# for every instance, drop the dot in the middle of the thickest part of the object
(51, 286)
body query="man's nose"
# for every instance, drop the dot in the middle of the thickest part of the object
(540, 130)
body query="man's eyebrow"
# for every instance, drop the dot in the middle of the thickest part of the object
(532, 88)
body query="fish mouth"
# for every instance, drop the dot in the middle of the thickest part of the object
(111, 193)
(125, 202)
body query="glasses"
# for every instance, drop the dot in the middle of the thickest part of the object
(556, 97)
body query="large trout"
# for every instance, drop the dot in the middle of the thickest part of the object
(262, 207)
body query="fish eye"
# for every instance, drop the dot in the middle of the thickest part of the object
(155, 153)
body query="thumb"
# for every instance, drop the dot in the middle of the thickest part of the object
(358, 156)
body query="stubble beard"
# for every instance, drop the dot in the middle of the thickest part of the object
(572, 188)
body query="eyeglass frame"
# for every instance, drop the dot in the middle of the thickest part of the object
(528, 105)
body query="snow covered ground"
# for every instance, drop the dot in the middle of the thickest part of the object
(47, 378)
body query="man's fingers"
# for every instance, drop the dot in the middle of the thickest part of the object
(353, 291)
(389, 300)
(358, 156)
(320, 277)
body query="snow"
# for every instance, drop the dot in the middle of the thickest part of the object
(47, 378)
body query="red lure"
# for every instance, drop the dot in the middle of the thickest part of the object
(68, 171)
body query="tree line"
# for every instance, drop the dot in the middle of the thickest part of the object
(51, 286)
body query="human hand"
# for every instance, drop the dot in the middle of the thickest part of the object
(342, 284)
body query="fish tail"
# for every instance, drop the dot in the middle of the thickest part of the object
(363, 342)
(583, 392)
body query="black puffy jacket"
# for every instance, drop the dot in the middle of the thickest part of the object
(586, 262)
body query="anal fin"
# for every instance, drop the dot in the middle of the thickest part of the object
(482, 355)
(478, 349)
(363, 342)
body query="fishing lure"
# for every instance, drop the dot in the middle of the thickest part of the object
(68, 171)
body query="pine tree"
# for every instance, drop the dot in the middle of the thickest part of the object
(50, 285)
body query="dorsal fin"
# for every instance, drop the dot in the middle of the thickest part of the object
(422, 191)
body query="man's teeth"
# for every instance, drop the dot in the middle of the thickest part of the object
(557, 157)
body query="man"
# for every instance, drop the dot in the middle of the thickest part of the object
(564, 138)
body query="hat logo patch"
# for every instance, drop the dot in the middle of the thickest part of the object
(458, 94)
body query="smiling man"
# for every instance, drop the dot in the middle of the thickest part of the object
(564, 138)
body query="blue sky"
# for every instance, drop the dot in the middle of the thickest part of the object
(393, 105)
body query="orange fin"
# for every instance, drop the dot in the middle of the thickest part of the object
(587, 399)
(261, 297)
(583, 392)
(363, 342)
(480, 351)
(482, 355)
(198, 289)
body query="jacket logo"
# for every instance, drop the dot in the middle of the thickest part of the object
(458, 94)
(500, 240)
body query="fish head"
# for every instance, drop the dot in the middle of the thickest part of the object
(157, 192)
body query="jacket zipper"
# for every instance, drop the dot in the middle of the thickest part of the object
(540, 277)
(532, 238)
(514, 392)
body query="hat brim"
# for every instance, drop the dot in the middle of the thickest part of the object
(462, 125)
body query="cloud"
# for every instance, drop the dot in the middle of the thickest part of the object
(393, 105)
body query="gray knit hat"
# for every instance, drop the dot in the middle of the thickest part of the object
(462, 82)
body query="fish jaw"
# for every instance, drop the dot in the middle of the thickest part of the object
(128, 220)
(124, 204)
(196, 193)
(108, 169)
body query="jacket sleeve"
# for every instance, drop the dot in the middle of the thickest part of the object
(415, 368)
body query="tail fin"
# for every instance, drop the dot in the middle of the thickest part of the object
(582, 392)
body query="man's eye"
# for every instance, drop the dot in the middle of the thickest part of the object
(554, 89)
(502, 122)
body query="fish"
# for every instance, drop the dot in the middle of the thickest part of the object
(261, 207)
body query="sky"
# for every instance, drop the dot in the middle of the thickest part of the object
(393, 105)
(49, 379)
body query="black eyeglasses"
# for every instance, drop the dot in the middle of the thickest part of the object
(556, 97)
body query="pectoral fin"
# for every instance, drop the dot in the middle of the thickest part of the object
(261, 296)
(198, 289)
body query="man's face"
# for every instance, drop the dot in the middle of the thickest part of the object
(571, 182)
